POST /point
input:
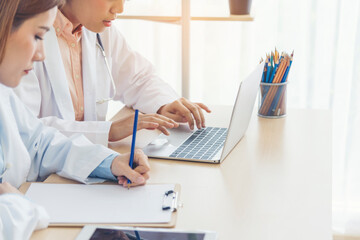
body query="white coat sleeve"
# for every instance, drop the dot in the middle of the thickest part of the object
(30, 94)
(52, 152)
(135, 78)
(19, 217)
(96, 131)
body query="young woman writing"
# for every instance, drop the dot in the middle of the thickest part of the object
(30, 151)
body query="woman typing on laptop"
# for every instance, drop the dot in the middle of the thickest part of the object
(89, 63)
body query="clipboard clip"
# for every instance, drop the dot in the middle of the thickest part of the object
(170, 201)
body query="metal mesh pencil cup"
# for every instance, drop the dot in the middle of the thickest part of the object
(272, 100)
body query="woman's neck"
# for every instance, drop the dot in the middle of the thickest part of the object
(68, 13)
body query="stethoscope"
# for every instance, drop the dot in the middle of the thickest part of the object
(101, 47)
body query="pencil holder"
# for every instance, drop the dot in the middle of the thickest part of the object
(272, 100)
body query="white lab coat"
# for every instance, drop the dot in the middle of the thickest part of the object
(31, 152)
(19, 217)
(46, 92)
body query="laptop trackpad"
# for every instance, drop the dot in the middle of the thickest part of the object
(164, 145)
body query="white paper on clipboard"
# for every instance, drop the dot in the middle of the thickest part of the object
(78, 203)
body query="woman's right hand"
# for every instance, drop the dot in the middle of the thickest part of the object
(121, 169)
(8, 188)
(124, 127)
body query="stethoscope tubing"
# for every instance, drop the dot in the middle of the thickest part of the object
(101, 47)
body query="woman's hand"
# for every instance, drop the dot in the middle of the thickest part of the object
(138, 176)
(124, 127)
(182, 110)
(8, 188)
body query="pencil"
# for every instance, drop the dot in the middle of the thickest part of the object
(137, 235)
(133, 144)
(268, 71)
(264, 73)
(277, 90)
(274, 71)
(288, 68)
(280, 108)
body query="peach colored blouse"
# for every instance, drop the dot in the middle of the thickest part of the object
(70, 48)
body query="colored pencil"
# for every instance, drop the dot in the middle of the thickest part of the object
(133, 143)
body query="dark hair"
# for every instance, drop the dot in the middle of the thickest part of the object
(14, 12)
(29, 8)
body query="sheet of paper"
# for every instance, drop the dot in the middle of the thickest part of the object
(78, 203)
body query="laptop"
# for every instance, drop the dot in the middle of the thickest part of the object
(210, 144)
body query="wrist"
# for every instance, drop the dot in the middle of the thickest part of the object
(160, 109)
(111, 136)
(112, 166)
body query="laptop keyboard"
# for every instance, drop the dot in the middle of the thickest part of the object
(202, 144)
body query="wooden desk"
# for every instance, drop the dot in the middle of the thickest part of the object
(276, 184)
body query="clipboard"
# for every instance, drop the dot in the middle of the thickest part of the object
(169, 203)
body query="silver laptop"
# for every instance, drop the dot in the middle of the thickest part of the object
(210, 144)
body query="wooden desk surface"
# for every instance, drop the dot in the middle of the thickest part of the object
(276, 184)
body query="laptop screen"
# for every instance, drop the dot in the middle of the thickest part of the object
(243, 109)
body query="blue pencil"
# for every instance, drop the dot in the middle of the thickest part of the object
(273, 73)
(264, 74)
(268, 72)
(137, 235)
(133, 143)
(286, 72)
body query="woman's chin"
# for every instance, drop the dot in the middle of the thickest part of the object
(98, 28)
(15, 82)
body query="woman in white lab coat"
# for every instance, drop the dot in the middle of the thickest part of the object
(83, 109)
(29, 150)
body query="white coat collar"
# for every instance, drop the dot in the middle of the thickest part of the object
(54, 65)
(89, 72)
